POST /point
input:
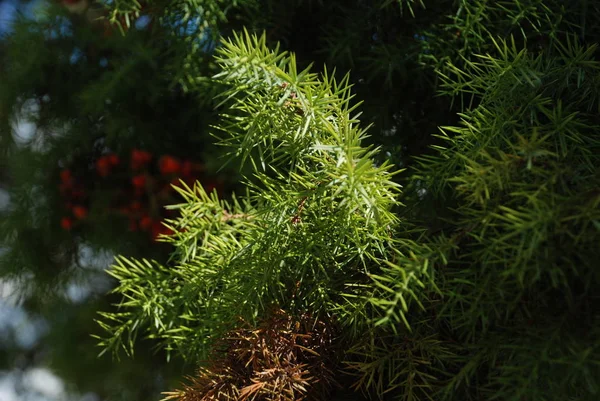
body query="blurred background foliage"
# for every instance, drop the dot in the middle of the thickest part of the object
(85, 84)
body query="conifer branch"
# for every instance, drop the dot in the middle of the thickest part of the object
(288, 234)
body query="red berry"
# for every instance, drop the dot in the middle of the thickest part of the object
(80, 212)
(167, 231)
(169, 165)
(156, 228)
(66, 223)
(103, 166)
(187, 168)
(139, 181)
(66, 176)
(145, 223)
(139, 158)
(159, 229)
(113, 159)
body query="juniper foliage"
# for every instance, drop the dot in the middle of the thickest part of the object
(476, 282)
(322, 216)
(490, 305)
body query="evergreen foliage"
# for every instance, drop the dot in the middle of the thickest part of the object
(309, 226)
(522, 171)
(475, 279)
(426, 319)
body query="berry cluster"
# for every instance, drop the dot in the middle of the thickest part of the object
(134, 189)
(76, 199)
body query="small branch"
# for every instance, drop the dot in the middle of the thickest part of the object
(228, 216)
